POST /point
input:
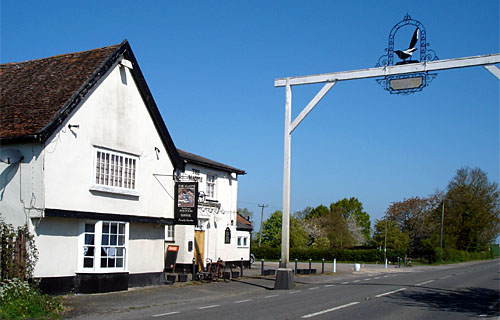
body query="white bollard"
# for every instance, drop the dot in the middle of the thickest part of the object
(334, 265)
(357, 266)
(385, 266)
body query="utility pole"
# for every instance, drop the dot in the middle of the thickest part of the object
(441, 234)
(261, 221)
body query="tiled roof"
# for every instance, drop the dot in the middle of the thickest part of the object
(242, 223)
(32, 92)
(196, 159)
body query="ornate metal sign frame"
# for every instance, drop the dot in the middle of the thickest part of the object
(426, 54)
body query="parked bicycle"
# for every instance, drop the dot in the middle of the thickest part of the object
(215, 271)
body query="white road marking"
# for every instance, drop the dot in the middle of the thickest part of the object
(292, 292)
(390, 292)
(314, 288)
(165, 314)
(386, 276)
(208, 307)
(355, 281)
(367, 279)
(444, 277)
(241, 301)
(344, 282)
(425, 282)
(329, 310)
(271, 296)
(329, 285)
(377, 278)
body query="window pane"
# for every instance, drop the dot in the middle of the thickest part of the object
(121, 240)
(88, 262)
(104, 252)
(105, 240)
(89, 227)
(119, 252)
(121, 229)
(113, 239)
(104, 263)
(114, 228)
(105, 228)
(88, 251)
(89, 239)
(111, 263)
(119, 262)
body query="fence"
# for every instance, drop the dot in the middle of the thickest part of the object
(13, 254)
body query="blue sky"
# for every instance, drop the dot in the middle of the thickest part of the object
(211, 67)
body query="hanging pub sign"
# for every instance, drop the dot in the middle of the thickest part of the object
(186, 203)
(418, 51)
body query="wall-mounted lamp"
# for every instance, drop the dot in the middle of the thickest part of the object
(73, 126)
(157, 153)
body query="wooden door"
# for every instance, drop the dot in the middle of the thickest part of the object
(199, 246)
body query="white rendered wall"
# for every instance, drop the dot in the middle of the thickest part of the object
(114, 116)
(21, 191)
(57, 242)
(145, 247)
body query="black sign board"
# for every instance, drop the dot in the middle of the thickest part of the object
(171, 258)
(186, 203)
(227, 235)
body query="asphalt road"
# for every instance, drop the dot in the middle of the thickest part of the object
(462, 291)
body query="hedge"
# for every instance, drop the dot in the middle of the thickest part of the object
(358, 255)
(367, 255)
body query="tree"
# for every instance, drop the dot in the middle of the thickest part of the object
(353, 207)
(388, 233)
(472, 210)
(336, 230)
(410, 215)
(319, 211)
(271, 231)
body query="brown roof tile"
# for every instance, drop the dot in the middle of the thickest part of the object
(32, 92)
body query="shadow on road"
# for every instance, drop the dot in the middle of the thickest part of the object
(477, 301)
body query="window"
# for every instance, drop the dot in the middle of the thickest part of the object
(242, 241)
(114, 172)
(211, 179)
(196, 172)
(239, 241)
(104, 245)
(245, 241)
(169, 232)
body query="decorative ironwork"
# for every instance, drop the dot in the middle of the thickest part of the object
(424, 54)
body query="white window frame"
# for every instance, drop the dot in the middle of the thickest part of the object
(112, 178)
(169, 232)
(211, 193)
(98, 245)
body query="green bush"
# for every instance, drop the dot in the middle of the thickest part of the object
(346, 255)
(453, 255)
(20, 300)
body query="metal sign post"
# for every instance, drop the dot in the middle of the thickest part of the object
(284, 277)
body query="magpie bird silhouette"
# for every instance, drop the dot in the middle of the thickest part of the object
(405, 54)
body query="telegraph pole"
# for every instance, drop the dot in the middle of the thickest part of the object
(261, 221)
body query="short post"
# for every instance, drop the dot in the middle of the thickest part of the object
(262, 267)
(279, 265)
(334, 265)
(241, 267)
(323, 265)
(295, 265)
(194, 270)
(310, 262)
(399, 262)
(385, 265)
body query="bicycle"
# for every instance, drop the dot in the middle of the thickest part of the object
(216, 270)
